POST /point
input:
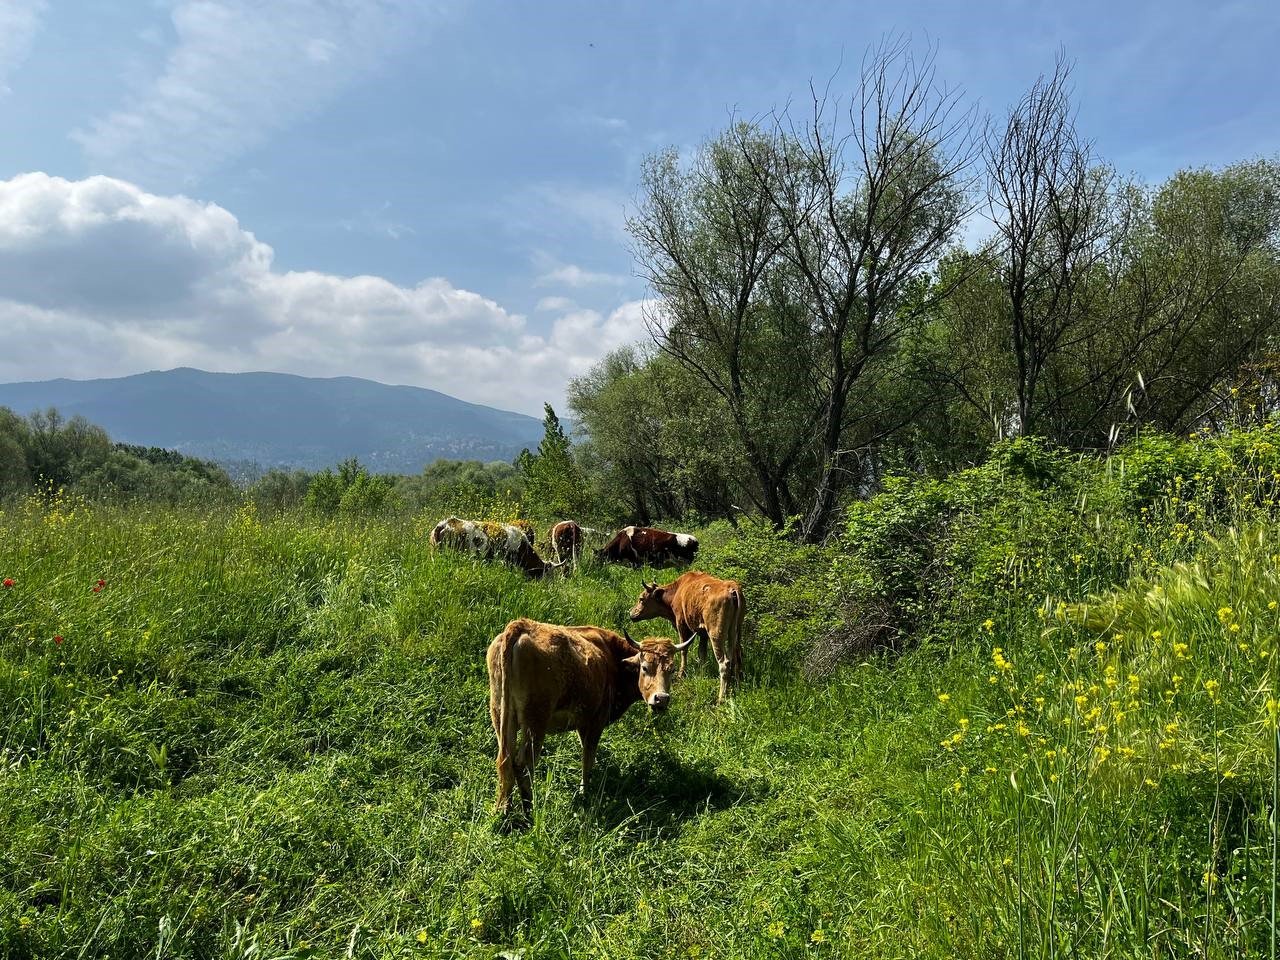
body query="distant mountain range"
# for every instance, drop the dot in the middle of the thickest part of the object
(280, 420)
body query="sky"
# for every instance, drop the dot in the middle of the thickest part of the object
(435, 193)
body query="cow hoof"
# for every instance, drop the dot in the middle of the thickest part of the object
(510, 823)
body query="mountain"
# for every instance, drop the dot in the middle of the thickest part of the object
(280, 420)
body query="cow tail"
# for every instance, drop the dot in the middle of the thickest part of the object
(507, 725)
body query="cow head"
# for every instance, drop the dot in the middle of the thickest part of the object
(651, 604)
(655, 658)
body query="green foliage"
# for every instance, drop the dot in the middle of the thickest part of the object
(552, 479)
(274, 741)
(351, 491)
(45, 451)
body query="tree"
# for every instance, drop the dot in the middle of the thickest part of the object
(709, 241)
(1058, 217)
(791, 264)
(879, 191)
(655, 440)
(553, 481)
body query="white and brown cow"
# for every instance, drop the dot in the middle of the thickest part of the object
(491, 541)
(641, 545)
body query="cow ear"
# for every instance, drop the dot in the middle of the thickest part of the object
(632, 661)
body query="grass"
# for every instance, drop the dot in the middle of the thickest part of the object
(269, 738)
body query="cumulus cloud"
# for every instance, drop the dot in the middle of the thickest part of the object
(238, 71)
(19, 21)
(100, 278)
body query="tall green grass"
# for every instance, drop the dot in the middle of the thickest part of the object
(268, 737)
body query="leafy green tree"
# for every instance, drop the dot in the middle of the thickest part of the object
(15, 477)
(554, 483)
(793, 263)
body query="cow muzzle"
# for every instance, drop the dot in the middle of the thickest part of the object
(659, 702)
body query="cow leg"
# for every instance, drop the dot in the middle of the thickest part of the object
(590, 738)
(506, 780)
(724, 660)
(530, 750)
(506, 754)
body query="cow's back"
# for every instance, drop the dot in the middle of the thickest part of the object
(700, 599)
(558, 675)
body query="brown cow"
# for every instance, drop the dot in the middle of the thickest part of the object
(639, 545)
(566, 540)
(702, 605)
(551, 679)
(491, 541)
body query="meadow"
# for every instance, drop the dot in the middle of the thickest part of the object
(1025, 711)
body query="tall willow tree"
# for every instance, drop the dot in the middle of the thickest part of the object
(790, 261)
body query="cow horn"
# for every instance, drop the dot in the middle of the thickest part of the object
(685, 646)
(629, 640)
(650, 586)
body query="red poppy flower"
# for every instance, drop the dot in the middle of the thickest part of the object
(57, 639)
(97, 588)
(102, 583)
(8, 582)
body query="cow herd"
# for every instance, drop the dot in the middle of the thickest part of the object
(546, 678)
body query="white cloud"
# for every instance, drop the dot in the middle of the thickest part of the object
(239, 71)
(100, 278)
(19, 21)
(555, 305)
(571, 275)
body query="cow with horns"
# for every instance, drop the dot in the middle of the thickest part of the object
(701, 605)
(491, 541)
(566, 540)
(547, 679)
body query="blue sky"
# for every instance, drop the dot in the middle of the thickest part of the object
(435, 192)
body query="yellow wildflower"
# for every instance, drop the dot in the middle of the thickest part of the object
(944, 698)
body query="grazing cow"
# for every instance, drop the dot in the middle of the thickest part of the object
(491, 541)
(551, 679)
(702, 605)
(566, 540)
(527, 528)
(638, 545)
